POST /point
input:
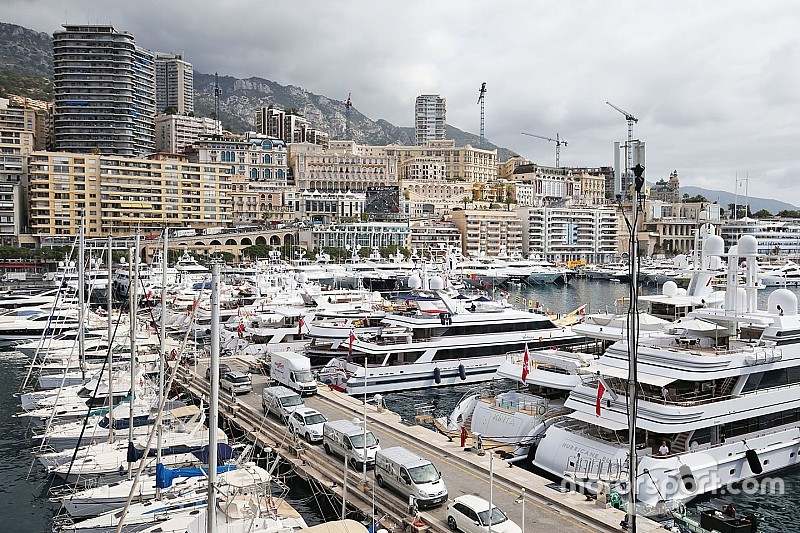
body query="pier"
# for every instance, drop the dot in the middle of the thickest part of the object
(464, 471)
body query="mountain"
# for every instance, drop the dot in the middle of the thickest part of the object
(241, 98)
(26, 67)
(724, 198)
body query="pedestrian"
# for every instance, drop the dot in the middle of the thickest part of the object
(664, 449)
(463, 436)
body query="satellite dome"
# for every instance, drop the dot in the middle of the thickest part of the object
(715, 262)
(72, 264)
(61, 264)
(680, 261)
(733, 250)
(736, 299)
(681, 291)
(414, 281)
(783, 298)
(748, 246)
(302, 278)
(714, 245)
(437, 283)
(670, 288)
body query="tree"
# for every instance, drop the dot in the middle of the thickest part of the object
(364, 251)
(698, 198)
(744, 211)
(171, 110)
(789, 213)
(762, 213)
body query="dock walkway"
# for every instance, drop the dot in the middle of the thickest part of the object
(464, 471)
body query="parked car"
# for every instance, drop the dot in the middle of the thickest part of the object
(307, 423)
(470, 514)
(236, 382)
(223, 369)
(281, 402)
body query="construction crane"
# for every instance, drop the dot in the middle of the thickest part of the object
(347, 107)
(558, 140)
(481, 97)
(631, 121)
(217, 93)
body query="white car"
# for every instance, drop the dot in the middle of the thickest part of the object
(470, 514)
(307, 423)
(236, 383)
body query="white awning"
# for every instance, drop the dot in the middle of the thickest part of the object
(649, 379)
(599, 421)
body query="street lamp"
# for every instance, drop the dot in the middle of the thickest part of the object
(521, 500)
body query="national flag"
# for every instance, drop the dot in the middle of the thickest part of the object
(300, 325)
(352, 338)
(601, 389)
(525, 363)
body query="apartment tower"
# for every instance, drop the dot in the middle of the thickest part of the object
(430, 116)
(174, 84)
(104, 92)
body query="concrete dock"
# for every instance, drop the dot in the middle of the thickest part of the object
(464, 471)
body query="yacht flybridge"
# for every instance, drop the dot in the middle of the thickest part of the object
(443, 341)
(721, 387)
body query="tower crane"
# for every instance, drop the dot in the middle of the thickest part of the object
(347, 107)
(631, 121)
(558, 140)
(481, 97)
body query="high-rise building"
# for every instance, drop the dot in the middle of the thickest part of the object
(174, 83)
(289, 126)
(104, 92)
(174, 133)
(430, 116)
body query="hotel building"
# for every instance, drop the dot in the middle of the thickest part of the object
(570, 233)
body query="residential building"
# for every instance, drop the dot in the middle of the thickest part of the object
(669, 228)
(570, 233)
(289, 126)
(425, 189)
(488, 232)
(434, 238)
(104, 92)
(317, 169)
(354, 236)
(591, 188)
(607, 173)
(505, 169)
(537, 185)
(121, 195)
(462, 163)
(775, 236)
(174, 84)
(430, 118)
(174, 133)
(263, 165)
(19, 137)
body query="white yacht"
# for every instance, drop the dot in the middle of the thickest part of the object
(444, 341)
(786, 275)
(724, 397)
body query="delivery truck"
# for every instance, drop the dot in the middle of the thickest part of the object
(294, 371)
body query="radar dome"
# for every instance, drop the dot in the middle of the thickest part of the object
(61, 264)
(302, 278)
(714, 245)
(670, 288)
(681, 291)
(715, 262)
(783, 298)
(736, 300)
(680, 261)
(437, 283)
(414, 281)
(748, 246)
(733, 250)
(72, 264)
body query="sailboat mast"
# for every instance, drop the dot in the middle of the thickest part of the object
(109, 309)
(213, 407)
(81, 294)
(163, 339)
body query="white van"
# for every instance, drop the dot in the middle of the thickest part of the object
(343, 438)
(294, 371)
(280, 401)
(407, 474)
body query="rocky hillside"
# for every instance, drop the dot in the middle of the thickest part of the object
(26, 67)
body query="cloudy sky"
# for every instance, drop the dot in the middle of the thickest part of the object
(715, 84)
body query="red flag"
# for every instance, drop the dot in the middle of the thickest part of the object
(352, 338)
(525, 363)
(601, 389)
(300, 325)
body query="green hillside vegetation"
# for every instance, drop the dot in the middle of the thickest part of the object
(15, 83)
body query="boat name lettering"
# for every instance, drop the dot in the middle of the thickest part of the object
(585, 452)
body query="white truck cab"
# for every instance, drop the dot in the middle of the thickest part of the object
(293, 370)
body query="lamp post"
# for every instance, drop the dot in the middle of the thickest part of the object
(521, 500)
(491, 487)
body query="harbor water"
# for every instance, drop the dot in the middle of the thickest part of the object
(24, 489)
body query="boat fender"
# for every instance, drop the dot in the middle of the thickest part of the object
(437, 375)
(753, 461)
(540, 410)
(462, 371)
(687, 478)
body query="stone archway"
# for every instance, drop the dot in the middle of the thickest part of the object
(215, 242)
(247, 241)
(230, 242)
(261, 240)
(275, 240)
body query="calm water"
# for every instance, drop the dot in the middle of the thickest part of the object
(23, 498)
